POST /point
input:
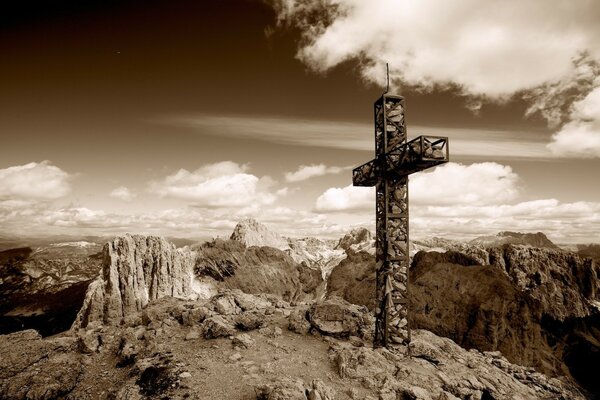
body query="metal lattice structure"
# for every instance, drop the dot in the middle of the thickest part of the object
(395, 159)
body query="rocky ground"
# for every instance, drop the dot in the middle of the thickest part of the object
(240, 346)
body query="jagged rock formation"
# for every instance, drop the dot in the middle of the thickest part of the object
(527, 239)
(135, 270)
(252, 233)
(229, 264)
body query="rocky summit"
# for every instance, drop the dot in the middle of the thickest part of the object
(241, 346)
(229, 319)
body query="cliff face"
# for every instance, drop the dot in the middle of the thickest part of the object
(135, 270)
(565, 284)
(537, 306)
(231, 265)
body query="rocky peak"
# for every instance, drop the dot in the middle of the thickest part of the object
(136, 269)
(252, 233)
(357, 239)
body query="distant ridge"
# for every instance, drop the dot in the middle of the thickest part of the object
(538, 239)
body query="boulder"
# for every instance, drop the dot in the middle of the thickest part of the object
(243, 340)
(337, 317)
(298, 321)
(283, 389)
(216, 326)
(249, 321)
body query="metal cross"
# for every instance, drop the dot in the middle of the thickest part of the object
(395, 159)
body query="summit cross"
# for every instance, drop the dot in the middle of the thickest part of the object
(395, 159)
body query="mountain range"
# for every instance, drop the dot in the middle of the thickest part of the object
(534, 302)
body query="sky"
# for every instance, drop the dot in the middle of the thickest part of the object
(183, 117)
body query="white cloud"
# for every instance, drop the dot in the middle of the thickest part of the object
(346, 199)
(305, 172)
(580, 137)
(493, 50)
(122, 193)
(546, 53)
(33, 181)
(223, 184)
(456, 184)
(449, 184)
(563, 222)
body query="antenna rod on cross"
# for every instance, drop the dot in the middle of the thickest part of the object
(387, 74)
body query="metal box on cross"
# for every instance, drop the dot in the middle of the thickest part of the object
(395, 159)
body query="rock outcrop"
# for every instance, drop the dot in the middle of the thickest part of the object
(358, 239)
(135, 270)
(252, 233)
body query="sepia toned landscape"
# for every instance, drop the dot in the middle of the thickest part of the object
(299, 200)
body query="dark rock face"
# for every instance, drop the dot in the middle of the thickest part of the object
(257, 270)
(44, 289)
(590, 250)
(354, 279)
(135, 270)
(536, 306)
(564, 283)
(479, 308)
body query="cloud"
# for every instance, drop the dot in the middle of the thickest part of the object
(33, 181)
(449, 184)
(493, 51)
(580, 137)
(122, 193)
(547, 54)
(456, 184)
(305, 172)
(222, 184)
(348, 198)
(563, 222)
(356, 136)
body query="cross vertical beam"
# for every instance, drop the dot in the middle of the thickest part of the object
(395, 158)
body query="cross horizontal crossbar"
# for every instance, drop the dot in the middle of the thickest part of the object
(421, 153)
